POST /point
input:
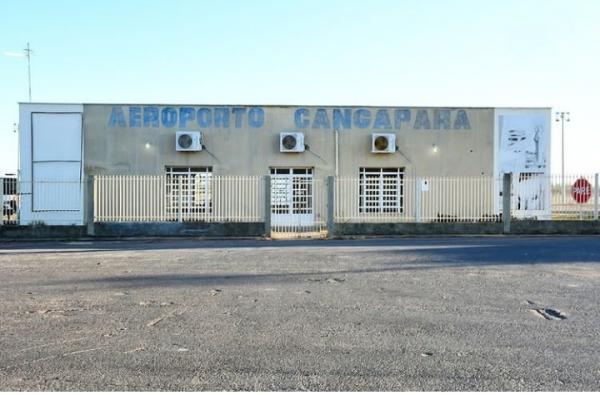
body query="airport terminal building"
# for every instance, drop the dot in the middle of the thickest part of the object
(385, 145)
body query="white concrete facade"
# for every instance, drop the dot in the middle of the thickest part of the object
(66, 143)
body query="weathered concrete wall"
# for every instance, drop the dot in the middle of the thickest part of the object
(243, 140)
(257, 229)
(462, 228)
(185, 229)
(555, 227)
(407, 229)
(42, 232)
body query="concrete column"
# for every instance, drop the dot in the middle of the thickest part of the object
(267, 205)
(596, 196)
(506, 192)
(417, 199)
(90, 200)
(330, 206)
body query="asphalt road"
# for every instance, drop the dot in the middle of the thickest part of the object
(395, 314)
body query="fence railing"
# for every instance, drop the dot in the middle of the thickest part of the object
(303, 204)
(10, 201)
(575, 196)
(45, 202)
(154, 198)
(420, 199)
(298, 207)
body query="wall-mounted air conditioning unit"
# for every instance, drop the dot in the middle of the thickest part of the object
(291, 142)
(188, 141)
(383, 143)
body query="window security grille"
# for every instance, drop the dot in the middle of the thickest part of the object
(381, 190)
(291, 191)
(9, 186)
(189, 190)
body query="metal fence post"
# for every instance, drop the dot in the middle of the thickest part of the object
(267, 204)
(330, 206)
(596, 196)
(506, 198)
(180, 200)
(90, 202)
(417, 199)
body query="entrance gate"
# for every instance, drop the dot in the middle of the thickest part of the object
(296, 204)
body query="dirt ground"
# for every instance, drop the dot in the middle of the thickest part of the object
(489, 313)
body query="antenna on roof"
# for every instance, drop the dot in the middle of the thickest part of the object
(25, 54)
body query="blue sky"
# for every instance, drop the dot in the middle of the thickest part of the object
(402, 53)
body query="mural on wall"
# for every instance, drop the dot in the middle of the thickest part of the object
(523, 149)
(523, 143)
(529, 192)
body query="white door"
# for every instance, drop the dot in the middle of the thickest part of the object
(292, 199)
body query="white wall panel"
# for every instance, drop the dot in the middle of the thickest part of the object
(57, 171)
(50, 163)
(522, 146)
(56, 137)
(57, 186)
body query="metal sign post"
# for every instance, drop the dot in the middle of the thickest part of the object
(596, 195)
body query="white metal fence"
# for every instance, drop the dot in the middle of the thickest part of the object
(574, 197)
(421, 199)
(151, 198)
(10, 201)
(298, 207)
(43, 202)
(299, 203)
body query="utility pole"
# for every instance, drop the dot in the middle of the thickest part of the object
(28, 54)
(562, 117)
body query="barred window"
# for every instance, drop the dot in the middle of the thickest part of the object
(381, 190)
(189, 189)
(291, 190)
(9, 186)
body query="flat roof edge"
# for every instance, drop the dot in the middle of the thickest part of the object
(283, 105)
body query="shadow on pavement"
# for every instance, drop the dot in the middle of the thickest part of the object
(382, 256)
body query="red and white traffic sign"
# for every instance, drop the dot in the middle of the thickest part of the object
(581, 190)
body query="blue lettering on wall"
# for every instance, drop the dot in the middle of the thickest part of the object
(256, 117)
(342, 119)
(441, 119)
(299, 120)
(400, 116)
(186, 114)
(204, 117)
(151, 117)
(221, 117)
(238, 113)
(362, 118)
(135, 117)
(168, 117)
(422, 120)
(321, 120)
(382, 120)
(117, 118)
(462, 120)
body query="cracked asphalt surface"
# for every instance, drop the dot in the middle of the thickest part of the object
(382, 314)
